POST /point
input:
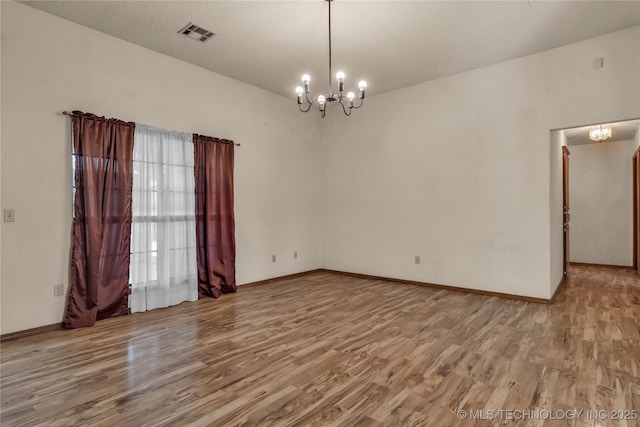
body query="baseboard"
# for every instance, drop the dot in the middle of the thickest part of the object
(277, 279)
(588, 264)
(30, 332)
(57, 326)
(445, 287)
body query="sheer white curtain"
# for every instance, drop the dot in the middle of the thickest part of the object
(163, 266)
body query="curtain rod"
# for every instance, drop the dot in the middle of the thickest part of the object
(66, 113)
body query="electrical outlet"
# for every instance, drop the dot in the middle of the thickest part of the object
(295, 255)
(58, 290)
(598, 63)
(417, 259)
(9, 215)
(273, 258)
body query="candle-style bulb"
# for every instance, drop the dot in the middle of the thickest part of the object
(340, 78)
(362, 85)
(306, 79)
(299, 92)
(321, 102)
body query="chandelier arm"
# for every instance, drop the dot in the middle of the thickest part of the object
(322, 113)
(308, 101)
(304, 111)
(344, 109)
(361, 102)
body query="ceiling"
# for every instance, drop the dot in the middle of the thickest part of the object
(391, 44)
(620, 131)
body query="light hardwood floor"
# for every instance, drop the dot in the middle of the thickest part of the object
(327, 349)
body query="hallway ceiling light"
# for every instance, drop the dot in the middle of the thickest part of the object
(323, 99)
(600, 133)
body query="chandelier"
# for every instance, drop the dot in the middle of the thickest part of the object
(600, 133)
(304, 103)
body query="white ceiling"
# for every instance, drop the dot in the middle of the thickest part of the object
(620, 131)
(391, 44)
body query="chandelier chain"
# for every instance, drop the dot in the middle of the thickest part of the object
(330, 72)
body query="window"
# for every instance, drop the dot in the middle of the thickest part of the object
(163, 255)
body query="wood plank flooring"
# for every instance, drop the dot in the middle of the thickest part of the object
(328, 349)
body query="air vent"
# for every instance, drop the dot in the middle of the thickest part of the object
(196, 33)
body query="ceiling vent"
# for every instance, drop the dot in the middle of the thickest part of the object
(196, 33)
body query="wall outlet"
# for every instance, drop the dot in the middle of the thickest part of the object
(9, 215)
(598, 63)
(58, 290)
(273, 258)
(416, 260)
(295, 255)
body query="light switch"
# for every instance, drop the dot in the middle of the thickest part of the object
(9, 215)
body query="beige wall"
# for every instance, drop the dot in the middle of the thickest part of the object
(601, 200)
(58, 65)
(457, 170)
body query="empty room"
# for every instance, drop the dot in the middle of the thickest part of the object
(320, 213)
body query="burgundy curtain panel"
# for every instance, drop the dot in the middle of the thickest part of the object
(99, 273)
(215, 222)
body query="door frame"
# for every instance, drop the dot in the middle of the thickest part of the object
(566, 213)
(636, 208)
(556, 180)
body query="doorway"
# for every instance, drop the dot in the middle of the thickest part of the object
(597, 181)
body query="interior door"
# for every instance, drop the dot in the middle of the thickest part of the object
(566, 214)
(636, 211)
